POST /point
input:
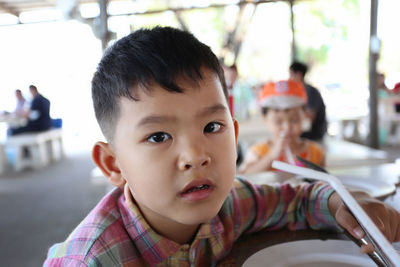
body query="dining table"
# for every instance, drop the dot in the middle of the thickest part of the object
(382, 174)
(342, 154)
(339, 152)
(12, 119)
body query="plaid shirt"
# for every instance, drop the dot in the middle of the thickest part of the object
(116, 234)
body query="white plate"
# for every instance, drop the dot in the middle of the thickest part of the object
(376, 188)
(311, 253)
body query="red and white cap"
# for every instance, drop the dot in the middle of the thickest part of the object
(283, 95)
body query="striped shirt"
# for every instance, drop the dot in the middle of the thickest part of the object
(116, 234)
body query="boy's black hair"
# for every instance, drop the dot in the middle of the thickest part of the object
(299, 67)
(146, 56)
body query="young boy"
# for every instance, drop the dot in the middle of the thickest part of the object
(160, 99)
(283, 107)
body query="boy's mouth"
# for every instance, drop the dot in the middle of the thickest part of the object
(198, 189)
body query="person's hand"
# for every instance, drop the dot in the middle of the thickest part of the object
(278, 147)
(386, 218)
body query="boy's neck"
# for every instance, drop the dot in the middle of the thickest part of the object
(172, 230)
(179, 233)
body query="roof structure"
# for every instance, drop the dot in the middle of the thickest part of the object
(16, 7)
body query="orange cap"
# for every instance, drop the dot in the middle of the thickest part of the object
(283, 95)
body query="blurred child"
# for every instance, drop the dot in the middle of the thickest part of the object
(283, 108)
(161, 101)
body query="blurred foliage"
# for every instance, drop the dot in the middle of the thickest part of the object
(331, 17)
(309, 54)
(207, 24)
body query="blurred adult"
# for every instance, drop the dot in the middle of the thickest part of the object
(315, 104)
(38, 114)
(382, 81)
(21, 102)
(396, 88)
(231, 75)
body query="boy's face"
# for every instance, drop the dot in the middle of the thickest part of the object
(177, 151)
(288, 121)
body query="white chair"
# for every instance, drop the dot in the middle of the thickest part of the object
(36, 150)
(3, 159)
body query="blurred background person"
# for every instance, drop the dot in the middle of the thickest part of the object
(15, 118)
(316, 106)
(383, 90)
(38, 114)
(283, 107)
(385, 107)
(20, 107)
(396, 88)
(242, 100)
(396, 91)
(231, 74)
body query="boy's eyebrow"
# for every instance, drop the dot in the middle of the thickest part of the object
(154, 119)
(212, 109)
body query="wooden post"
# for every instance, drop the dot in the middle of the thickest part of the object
(374, 47)
(104, 24)
(293, 52)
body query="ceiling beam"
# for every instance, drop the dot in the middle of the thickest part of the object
(179, 9)
(9, 9)
(178, 15)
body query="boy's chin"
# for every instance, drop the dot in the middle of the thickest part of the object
(197, 220)
(196, 217)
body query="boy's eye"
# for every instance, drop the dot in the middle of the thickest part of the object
(212, 127)
(158, 137)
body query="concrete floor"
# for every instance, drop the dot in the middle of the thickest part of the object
(41, 207)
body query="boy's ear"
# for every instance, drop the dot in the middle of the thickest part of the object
(104, 157)
(236, 125)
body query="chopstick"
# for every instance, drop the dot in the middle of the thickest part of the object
(373, 255)
(384, 252)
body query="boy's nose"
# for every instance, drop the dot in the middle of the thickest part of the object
(193, 157)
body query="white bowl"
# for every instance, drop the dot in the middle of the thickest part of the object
(311, 253)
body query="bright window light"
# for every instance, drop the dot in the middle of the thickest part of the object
(6, 19)
(125, 7)
(40, 15)
(90, 10)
